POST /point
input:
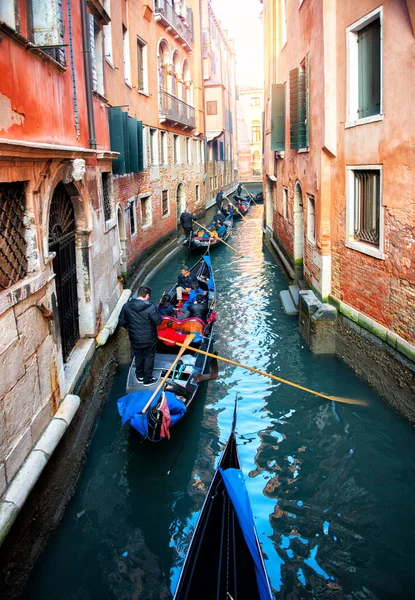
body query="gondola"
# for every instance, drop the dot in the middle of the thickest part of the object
(224, 559)
(201, 244)
(242, 203)
(183, 382)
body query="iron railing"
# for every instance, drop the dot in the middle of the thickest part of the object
(164, 8)
(173, 109)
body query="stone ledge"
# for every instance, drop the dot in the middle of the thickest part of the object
(28, 474)
(112, 322)
(78, 360)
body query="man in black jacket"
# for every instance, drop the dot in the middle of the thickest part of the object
(141, 318)
(219, 197)
(186, 221)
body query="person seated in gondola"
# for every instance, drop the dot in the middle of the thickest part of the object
(213, 231)
(198, 308)
(165, 308)
(192, 295)
(221, 230)
(219, 216)
(184, 282)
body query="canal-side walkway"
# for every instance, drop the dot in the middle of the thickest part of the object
(331, 485)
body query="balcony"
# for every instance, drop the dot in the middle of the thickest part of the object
(175, 110)
(181, 29)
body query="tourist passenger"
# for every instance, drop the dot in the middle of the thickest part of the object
(184, 282)
(192, 294)
(221, 230)
(166, 308)
(141, 318)
(198, 308)
(219, 216)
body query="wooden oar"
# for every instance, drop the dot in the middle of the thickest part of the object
(220, 239)
(291, 383)
(184, 346)
(252, 198)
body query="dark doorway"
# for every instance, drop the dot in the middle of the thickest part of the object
(62, 241)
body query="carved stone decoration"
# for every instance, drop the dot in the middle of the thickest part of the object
(75, 170)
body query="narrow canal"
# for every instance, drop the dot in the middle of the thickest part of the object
(331, 485)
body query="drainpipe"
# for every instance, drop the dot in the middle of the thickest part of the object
(88, 77)
(75, 100)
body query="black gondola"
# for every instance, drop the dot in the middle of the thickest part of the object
(224, 560)
(242, 204)
(183, 382)
(202, 244)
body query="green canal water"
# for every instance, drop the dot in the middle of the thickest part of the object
(332, 486)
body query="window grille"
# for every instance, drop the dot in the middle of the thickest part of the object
(132, 218)
(13, 262)
(165, 202)
(106, 195)
(367, 206)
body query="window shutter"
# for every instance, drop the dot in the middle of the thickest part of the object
(369, 70)
(220, 150)
(117, 138)
(294, 118)
(93, 56)
(299, 108)
(278, 117)
(126, 144)
(45, 20)
(140, 145)
(133, 144)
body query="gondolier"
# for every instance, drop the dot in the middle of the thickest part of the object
(186, 221)
(141, 318)
(219, 197)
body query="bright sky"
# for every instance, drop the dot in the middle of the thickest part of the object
(241, 19)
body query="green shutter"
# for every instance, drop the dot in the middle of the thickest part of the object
(294, 142)
(299, 107)
(133, 144)
(369, 70)
(126, 145)
(117, 139)
(220, 150)
(278, 117)
(140, 146)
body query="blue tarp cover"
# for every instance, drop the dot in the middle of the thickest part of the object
(235, 486)
(131, 405)
(208, 262)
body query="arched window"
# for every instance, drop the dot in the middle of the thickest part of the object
(176, 77)
(162, 64)
(256, 132)
(187, 84)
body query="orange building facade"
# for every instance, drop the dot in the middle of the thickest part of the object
(339, 169)
(250, 135)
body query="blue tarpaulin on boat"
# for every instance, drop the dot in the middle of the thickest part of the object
(131, 405)
(208, 262)
(235, 486)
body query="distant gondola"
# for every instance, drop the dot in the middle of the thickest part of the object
(242, 203)
(183, 382)
(224, 559)
(197, 243)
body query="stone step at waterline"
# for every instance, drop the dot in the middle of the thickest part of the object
(287, 303)
(294, 291)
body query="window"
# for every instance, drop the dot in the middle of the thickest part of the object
(364, 210)
(163, 148)
(106, 195)
(299, 129)
(365, 69)
(146, 211)
(164, 203)
(216, 182)
(154, 151)
(142, 65)
(108, 33)
(133, 218)
(189, 150)
(311, 218)
(283, 5)
(13, 263)
(197, 193)
(255, 101)
(211, 183)
(126, 51)
(285, 202)
(212, 107)
(47, 27)
(8, 13)
(256, 132)
(202, 152)
(176, 149)
(97, 55)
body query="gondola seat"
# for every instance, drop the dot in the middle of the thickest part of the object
(176, 330)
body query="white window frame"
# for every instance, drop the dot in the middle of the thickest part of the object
(164, 156)
(352, 118)
(154, 147)
(197, 193)
(165, 215)
(108, 35)
(189, 150)
(311, 219)
(369, 249)
(143, 44)
(127, 57)
(98, 56)
(132, 206)
(146, 197)
(202, 152)
(283, 23)
(146, 142)
(176, 142)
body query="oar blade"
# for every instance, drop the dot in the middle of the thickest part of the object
(349, 400)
